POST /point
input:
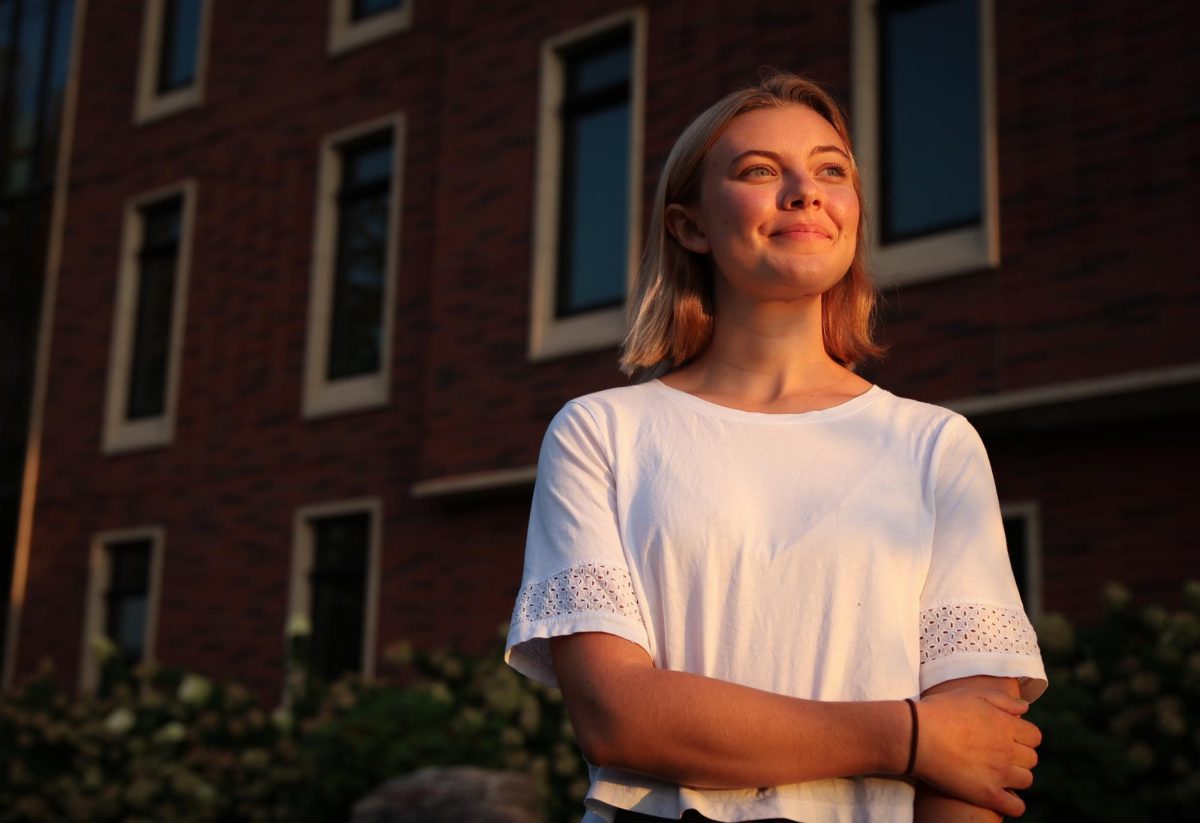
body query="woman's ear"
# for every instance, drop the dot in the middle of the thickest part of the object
(684, 227)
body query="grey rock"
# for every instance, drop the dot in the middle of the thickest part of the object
(461, 794)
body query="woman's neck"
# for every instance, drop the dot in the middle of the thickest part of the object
(767, 356)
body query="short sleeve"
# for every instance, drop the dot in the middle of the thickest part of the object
(576, 576)
(972, 621)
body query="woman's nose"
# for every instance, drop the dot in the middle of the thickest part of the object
(801, 192)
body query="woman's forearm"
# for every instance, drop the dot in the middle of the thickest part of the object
(708, 733)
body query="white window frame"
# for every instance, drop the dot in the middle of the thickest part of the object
(551, 336)
(121, 434)
(304, 556)
(946, 253)
(99, 578)
(1029, 513)
(323, 397)
(149, 104)
(346, 34)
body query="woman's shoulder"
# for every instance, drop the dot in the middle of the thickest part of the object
(635, 397)
(598, 410)
(924, 421)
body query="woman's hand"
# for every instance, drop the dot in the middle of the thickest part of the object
(973, 745)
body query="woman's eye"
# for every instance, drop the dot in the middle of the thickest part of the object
(759, 171)
(835, 170)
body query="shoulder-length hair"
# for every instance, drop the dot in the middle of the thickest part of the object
(671, 313)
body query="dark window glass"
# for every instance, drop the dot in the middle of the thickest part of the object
(1016, 531)
(31, 24)
(594, 216)
(931, 113)
(338, 583)
(56, 89)
(363, 9)
(356, 334)
(126, 598)
(180, 44)
(157, 261)
(34, 51)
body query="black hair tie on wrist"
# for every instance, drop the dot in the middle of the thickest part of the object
(912, 747)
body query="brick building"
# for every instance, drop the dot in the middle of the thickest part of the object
(325, 270)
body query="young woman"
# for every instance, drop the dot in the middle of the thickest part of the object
(769, 589)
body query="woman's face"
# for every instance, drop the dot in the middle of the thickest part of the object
(778, 210)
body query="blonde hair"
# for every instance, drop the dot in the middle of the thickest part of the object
(671, 313)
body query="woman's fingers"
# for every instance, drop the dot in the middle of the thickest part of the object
(1007, 803)
(1019, 778)
(1012, 705)
(1025, 757)
(1028, 734)
(975, 746)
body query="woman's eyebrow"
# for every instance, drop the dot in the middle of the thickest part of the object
(829, 148)
(779, 158)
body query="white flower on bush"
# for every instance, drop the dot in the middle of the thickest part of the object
(1169, 713)
(194, 690)
(256, 758)
(102, 647)
(299, 625)
(282, 718)
(119, 721)
(441, 693)
(172, 732)
(399, 653)
(1116, 595)
(1055, 633)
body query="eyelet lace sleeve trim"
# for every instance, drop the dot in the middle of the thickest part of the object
(958, 628)
(591, 587)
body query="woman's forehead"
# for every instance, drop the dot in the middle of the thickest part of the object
(784, 130)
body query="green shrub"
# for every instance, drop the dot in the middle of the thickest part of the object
(164, 745)
(1120, 733)
(1119, 721)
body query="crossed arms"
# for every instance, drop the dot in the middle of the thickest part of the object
(708, 733)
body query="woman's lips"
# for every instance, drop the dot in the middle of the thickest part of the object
(801, 230)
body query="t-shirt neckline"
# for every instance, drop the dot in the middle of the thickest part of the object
(728, 412)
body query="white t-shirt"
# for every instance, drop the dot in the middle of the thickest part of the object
(853, 553)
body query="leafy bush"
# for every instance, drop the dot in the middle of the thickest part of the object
(1119, 721)
(164, 745)
(1121, 740)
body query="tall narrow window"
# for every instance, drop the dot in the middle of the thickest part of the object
(929, 80)
(355, 23)
(148, 320)
(127, 598)
(335, 583)
(173, 59)
(35, 45)
(356, 336)
(123, 595)
(157, 261)
(587, 194)
(594, 227)
(924, 119)
(180, 44)
(338, 581)
(355, 257)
